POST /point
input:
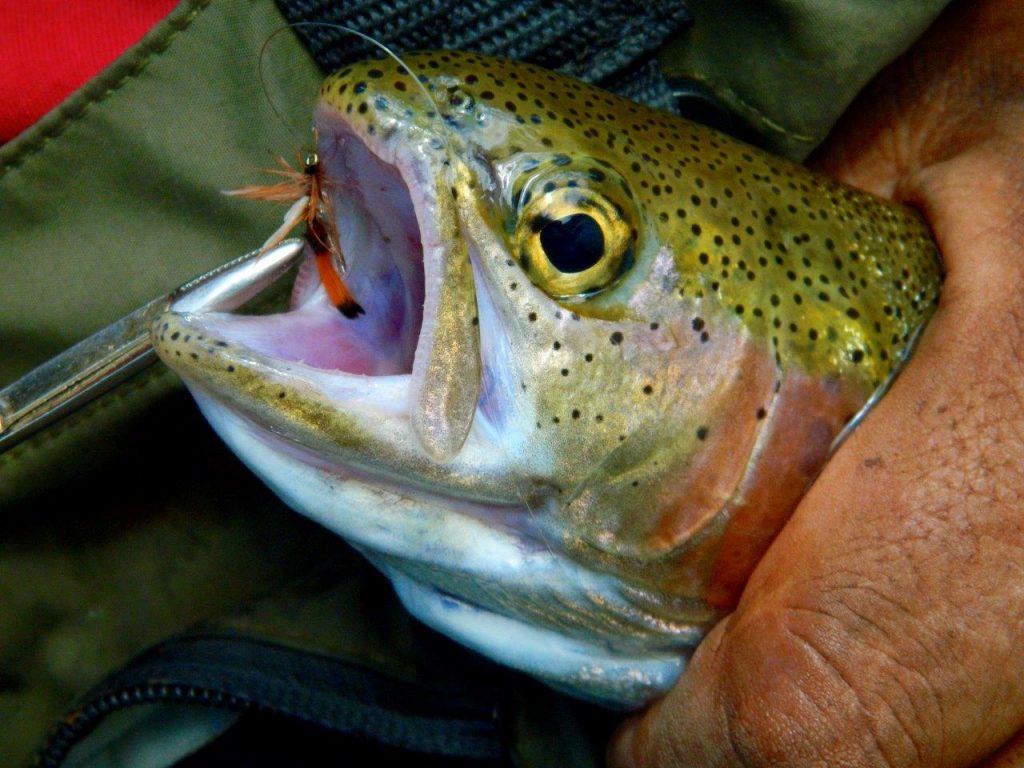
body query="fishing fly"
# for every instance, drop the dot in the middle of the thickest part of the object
(307, 190)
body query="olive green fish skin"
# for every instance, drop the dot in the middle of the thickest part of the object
(586, 452)
(836, 279)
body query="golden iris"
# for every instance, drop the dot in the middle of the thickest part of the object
(574, 242)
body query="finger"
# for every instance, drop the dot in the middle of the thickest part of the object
(1010, 755)
(962, 84)
(883, 626)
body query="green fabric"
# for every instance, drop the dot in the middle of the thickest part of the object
(93, 570)
(129, 522)
(791, 67)
(113, 198)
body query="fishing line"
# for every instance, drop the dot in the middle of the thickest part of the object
(419, 79)
(263, 83)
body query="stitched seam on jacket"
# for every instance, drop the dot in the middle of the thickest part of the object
(129, 65)
(732, 96)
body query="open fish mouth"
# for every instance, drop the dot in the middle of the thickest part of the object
(378, 228)
(323, 409)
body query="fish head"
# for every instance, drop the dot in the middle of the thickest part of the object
(604, 352)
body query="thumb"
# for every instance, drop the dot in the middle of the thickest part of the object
(755, 693)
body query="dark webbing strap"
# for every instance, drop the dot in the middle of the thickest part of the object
(460, 719)
(610, 42)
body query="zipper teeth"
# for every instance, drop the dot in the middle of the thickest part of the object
(78, 725)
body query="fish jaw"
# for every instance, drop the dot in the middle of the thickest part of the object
(462, 568)
(466, 542)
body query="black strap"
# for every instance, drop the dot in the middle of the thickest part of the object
(609, 42)
(457, 720)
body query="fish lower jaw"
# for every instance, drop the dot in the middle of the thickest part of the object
(587, 670)
(478, 578)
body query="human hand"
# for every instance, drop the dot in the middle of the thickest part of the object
(885, 625)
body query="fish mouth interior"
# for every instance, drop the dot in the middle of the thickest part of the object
(382, 245)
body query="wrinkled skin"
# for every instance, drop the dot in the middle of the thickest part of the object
(883, 626)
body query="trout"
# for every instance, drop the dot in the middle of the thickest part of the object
(604, 353)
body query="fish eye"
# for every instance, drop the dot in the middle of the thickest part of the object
(574, 243)
(573, 237)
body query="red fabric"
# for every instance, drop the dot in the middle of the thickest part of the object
(49, 48)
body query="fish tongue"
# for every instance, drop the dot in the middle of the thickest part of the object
(446, 372)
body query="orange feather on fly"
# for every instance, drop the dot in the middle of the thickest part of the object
(307, 191)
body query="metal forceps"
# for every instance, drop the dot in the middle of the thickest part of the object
(113, 354)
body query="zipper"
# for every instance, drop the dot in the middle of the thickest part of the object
(242, 674)
(79, 723)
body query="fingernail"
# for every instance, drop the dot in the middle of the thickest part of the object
(620, 748)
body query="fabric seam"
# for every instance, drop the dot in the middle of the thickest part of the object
(730, 95)
(126, 67)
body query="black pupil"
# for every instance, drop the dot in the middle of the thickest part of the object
(573, 244)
